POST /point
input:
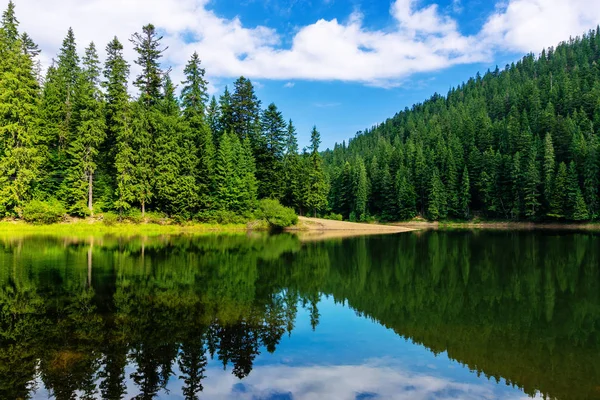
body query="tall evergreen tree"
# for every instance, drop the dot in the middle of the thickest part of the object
(245, 111)
(316, 195)
(150, 80)
(269, 152)
(90, 133)
(292, 167)
(19, 96)
(361, 190)
(199, 157)
(117, 150)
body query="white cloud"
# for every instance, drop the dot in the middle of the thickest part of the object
(422, 39)
(289, 85)
(531, 25)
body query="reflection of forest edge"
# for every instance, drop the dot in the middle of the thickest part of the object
(522, 306)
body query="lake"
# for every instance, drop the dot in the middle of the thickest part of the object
(422, 315)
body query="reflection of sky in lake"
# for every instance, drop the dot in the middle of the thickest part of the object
(347, 357)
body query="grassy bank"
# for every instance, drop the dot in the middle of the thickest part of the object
(96, 228)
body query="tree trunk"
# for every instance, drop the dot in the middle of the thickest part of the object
(143, 208)
(90, 194)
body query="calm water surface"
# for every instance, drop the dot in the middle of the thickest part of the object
(427, 315)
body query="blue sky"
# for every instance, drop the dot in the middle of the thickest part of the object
(342, 65)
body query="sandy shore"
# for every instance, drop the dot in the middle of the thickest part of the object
(318, 229)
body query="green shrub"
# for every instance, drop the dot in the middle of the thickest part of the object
(275, 214)
(135, 216)
(220, 217)
(43, 212)
(334, 217)
(109, 218)
(157, 218)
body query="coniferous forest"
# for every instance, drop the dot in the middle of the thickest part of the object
(74, 139)
(520, 143)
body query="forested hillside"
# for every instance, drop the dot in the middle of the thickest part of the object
(520, 143)
(74, 139)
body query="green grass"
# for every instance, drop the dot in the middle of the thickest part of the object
(86, 228)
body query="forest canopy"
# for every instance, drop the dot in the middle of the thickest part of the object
(514, 144)
(75, 138)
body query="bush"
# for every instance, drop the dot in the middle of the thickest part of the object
(275, 214)
(44, 212)
(220, 217)
(334, 217)
(134, 216)
(156, 218)
(110, 219)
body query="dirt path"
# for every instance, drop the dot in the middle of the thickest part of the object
(317, 229)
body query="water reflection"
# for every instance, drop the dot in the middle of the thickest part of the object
(115, 318)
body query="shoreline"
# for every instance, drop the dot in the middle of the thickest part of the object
(499, 225)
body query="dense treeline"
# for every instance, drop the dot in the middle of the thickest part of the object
(76, 139)
(518, 144)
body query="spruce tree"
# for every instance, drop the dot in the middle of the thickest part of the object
(317, 189)
(19, 127)
(361, 189)
(407, 198)
(118, 150)
(549, 168)
(83, 152)
(465, 195)
(146, 116)
(592, 176)
(292, 169)
(558, 201)
(150, 80)
(200, 153)
(226, 123)
(577, 209)
(269, 152)
(437, 198)
(245, 111)
(10, 25)
(531, 183)
(213, 119)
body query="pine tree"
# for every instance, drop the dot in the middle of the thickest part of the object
(117, 149)
(19, 100)
(88, 117)
(316, 196)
